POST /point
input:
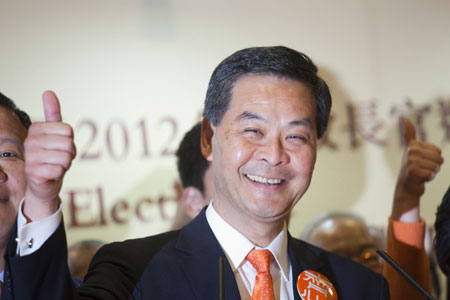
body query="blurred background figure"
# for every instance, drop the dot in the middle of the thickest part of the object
(442, 227)
(80, 255)
(347, 235)
(442, 240)
(196, 177)
(421, 163)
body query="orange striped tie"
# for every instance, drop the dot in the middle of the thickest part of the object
(260, 260)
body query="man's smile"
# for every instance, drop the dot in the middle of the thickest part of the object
(264, 180)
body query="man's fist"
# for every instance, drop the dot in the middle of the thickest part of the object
(49, 151)
(420, 164)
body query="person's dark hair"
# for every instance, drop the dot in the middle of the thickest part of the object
(10, 105)
(190, 161)
(276, 61)
(442, 238)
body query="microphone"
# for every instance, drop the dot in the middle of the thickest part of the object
(402, 272)
(221, 278)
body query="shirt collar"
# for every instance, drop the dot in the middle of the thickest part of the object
(1, 275)
(236, 246)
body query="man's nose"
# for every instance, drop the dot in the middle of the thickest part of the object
(3, 176)
(274, 153)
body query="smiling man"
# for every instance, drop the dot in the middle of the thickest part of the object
(265, 108)
(263, 153)
(14, 125)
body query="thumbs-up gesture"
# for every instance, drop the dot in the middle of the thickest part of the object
(420, 164)
(49, 151)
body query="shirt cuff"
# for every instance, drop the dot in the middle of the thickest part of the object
(31, 236)
(411, 234)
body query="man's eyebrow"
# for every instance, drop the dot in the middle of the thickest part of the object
(302, 122)
(246, 115)
(8, 140)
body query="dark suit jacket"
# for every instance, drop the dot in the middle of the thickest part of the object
(174, 265)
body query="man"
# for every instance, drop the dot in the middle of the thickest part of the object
(14, 125)
(196, 177)
(345, 234)
(264, 111)
(406, 229)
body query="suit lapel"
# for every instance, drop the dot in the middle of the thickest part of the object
(199, 258)
(302, 258)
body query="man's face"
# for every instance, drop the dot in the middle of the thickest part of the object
(264, 149)
(12, 168)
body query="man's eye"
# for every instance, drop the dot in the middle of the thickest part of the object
(7, 154)
(298, 137)
(252, 131)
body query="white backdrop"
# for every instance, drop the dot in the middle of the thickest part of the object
(132, 76)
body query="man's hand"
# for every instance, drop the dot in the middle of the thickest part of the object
(49, 151)
(420, 164)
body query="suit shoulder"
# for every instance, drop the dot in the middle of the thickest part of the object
(148, 243)
(117, 267)
(134, 253)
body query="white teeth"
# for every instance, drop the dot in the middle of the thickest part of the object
(264, 180)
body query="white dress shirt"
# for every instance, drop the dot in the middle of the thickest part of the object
(1, 275)
(31, 236)
(236, 247)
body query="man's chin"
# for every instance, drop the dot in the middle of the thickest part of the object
(272, 214)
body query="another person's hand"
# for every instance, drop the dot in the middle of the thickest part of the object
(420, 164)
(49, 151)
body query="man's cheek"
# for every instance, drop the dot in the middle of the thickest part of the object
(238, 155)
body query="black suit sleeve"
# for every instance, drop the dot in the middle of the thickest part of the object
(113, 273)
(44, 274)
(41, 275)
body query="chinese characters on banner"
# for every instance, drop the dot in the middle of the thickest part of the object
(364, 123)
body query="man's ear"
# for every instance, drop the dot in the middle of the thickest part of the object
(193, 201)
(206, 139)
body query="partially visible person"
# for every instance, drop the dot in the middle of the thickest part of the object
(349, 236)
(14, 125)
(442, 239)
(80, 255)
(406, 230)
(345, 234)
(196, 178)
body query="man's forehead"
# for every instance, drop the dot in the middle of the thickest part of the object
(265, 81)
(11, 129)
(261, 90)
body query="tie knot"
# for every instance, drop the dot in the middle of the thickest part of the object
(260, 260)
